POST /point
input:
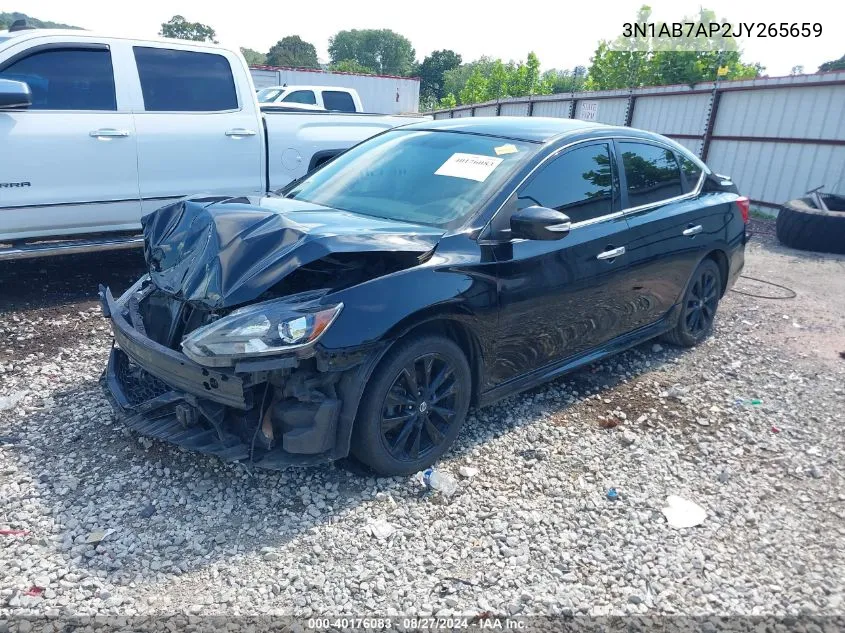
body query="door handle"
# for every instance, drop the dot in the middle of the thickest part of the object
(693, 230)
(612, 253)
(108, 132)
(240, 131)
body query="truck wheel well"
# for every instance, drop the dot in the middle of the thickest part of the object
(724, 268)
(463, 337)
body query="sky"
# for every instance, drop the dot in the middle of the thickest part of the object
(562, 34)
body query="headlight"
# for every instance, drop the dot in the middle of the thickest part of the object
(265, 329)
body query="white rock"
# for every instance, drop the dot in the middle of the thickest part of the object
(467, 472)
(380, 529)
(682, 513)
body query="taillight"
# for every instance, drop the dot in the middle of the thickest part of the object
(744, 205)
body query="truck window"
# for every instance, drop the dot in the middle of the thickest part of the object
(301, 96)
(185, 81)
(66, 79)
(338, 101)
(268, 95)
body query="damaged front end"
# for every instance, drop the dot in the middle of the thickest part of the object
(217, 348)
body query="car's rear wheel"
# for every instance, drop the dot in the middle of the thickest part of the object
(413, 407)
(698, 309)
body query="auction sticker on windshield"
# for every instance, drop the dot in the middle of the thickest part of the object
(469, 166)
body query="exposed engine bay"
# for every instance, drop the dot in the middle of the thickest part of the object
(217, 348)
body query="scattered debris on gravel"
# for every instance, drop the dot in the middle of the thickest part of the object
(95, 520)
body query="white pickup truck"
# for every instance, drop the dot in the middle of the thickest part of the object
(96, 132)
(322, 97)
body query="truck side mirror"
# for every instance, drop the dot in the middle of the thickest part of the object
(14, 94)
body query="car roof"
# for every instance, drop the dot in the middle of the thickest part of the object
(518, 128)
(302, 87)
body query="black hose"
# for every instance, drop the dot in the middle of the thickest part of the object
(792, 294)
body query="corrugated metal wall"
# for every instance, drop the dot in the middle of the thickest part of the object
(379, 93)
(776, 137)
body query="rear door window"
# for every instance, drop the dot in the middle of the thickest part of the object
(338, 101)
(691, 172)
(651, 173)
(301, 96)
(185, 81)
(66, 79)
(579, 183)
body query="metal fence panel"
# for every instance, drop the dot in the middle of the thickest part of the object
(692, 144)
(558, 109)
(777, 172)
(264, 78)
(457, 114)
(610, 111)
(799, 112)
(672, 114)
(489, 110)
(514, 109)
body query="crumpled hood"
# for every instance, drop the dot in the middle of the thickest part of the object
(222, 252)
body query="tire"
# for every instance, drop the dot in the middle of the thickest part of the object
(701, 298)
(431, 427)
(802, 226)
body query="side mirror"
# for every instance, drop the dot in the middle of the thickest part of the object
(14, 94)
(539, 223)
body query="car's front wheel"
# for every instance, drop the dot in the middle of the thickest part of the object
(413, 407)
(699, 306)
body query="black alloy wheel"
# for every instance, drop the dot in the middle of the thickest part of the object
(698, 309)
(419, 407)
(701, 302)
(413, 406)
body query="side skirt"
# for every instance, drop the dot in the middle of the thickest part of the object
(555, 370)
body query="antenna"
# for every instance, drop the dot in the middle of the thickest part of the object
(20, 25)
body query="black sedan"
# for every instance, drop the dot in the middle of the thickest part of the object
(437, 266)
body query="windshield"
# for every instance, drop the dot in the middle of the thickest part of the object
(425, 177)
(268, 95)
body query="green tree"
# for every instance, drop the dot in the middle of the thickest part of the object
(253, 58)
(557, 81)
(180, 29)
(475, 89)
(525, 77)
(454, 80)
(836, 64)
(449, 101)
(386, 52)
(498, 80)
(351, 66)
(630, 62)
(294, 52)
(431, 71)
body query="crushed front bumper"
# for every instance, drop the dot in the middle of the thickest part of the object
(161, 393)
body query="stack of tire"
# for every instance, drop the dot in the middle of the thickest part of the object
(801, 225)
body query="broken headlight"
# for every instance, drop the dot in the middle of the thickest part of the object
(273, 327)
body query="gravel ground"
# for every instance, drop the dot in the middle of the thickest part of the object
(116, 524)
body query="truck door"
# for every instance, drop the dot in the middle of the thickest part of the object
(198, 129)
(68, 163)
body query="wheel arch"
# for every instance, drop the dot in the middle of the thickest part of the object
(452, 325)
(721, 258)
